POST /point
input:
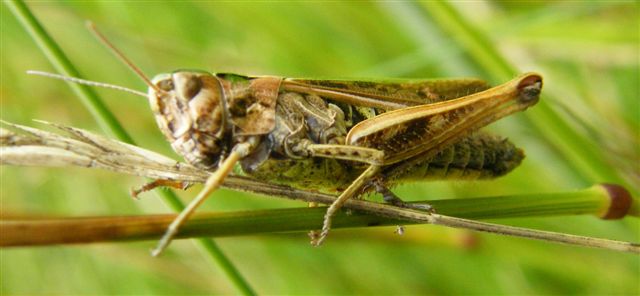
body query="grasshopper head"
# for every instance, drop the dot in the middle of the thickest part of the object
(189, 109)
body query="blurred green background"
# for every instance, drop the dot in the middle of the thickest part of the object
(587, 52)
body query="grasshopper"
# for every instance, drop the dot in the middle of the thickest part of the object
(350, 137)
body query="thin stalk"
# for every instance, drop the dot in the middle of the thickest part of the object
(108, 122)
(600, 200)
(579, 150)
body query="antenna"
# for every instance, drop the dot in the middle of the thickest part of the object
(87, 82)
(92, 27)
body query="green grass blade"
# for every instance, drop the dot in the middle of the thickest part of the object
(110, 124)
(580, 151)
(63, 65)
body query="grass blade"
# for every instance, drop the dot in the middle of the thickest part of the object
(110, 124)
(581, 152)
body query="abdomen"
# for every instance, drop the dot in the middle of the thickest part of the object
(478, 156)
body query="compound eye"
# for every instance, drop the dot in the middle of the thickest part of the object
(192, 87)
(166, 85)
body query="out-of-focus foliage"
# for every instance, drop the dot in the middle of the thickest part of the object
(588, 53)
